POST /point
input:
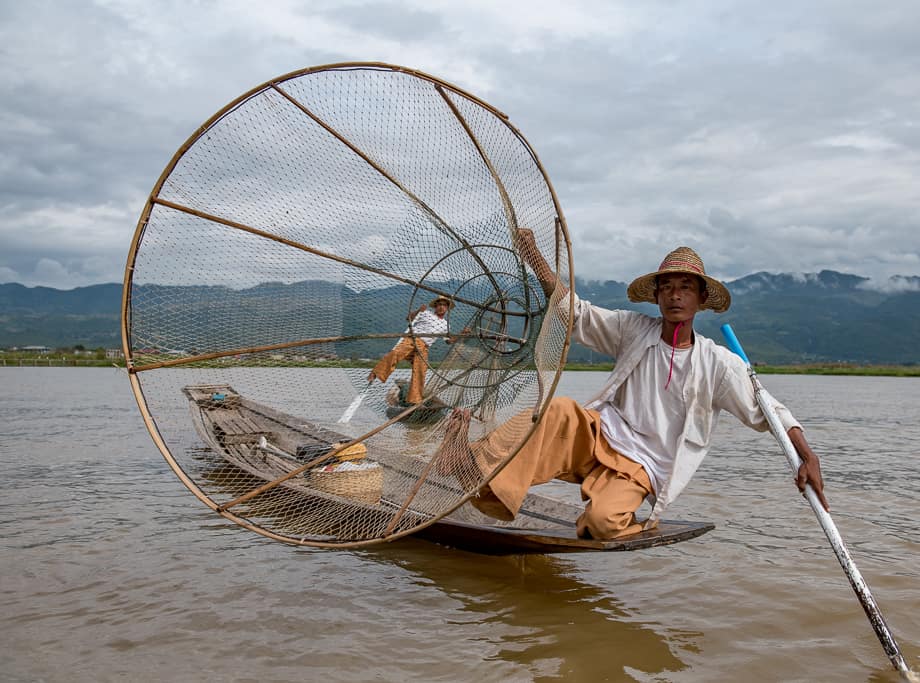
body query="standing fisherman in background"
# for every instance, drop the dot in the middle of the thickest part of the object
(415, 348)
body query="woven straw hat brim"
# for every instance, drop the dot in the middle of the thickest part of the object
(642, 290)
(450, 303)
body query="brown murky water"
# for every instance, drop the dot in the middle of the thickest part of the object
(112, 571)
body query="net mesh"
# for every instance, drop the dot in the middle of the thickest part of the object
(281, 258)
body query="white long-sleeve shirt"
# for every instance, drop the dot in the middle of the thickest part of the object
(426, 322)
(645, 421)
(716, 380)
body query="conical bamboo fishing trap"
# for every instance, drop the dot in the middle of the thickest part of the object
(278, 259)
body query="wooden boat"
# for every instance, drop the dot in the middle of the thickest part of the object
(421, 416)
(268, 444)
(431, 412)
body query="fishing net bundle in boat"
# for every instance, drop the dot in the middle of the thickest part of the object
(278, 259)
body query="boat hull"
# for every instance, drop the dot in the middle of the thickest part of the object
(232, 426)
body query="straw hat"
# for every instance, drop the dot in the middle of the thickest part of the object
(681, 260)
(450, 303)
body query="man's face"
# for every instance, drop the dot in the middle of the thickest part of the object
(679, 297)
(440, 309)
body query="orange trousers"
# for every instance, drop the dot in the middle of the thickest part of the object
(413, 350)
(566, 444)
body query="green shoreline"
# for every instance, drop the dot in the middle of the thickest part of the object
(847, 369)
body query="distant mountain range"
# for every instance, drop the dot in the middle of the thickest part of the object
(822, 317)
(44, 316)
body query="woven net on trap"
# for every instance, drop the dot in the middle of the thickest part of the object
(276, 262)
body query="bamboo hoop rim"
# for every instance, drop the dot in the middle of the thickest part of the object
(153, 200)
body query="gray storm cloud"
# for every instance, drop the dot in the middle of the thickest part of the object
(781, 137)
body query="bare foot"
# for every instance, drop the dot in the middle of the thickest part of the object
(455, 452)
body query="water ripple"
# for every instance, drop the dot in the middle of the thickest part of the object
(115, 572)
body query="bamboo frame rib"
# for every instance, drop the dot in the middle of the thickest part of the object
(506, 200)
(316, 461)
(266, 347)
(436, 219)
(408, 501)
(308, 342)
(439, 222)
(318, 252)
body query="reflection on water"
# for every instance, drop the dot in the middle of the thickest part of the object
(113, 571)
(551, 620)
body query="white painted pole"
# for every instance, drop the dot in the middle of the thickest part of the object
(353, 408)
(767, 403)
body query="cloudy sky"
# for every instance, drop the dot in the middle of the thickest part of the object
(777, 136)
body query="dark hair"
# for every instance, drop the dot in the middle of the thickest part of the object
(699, 279)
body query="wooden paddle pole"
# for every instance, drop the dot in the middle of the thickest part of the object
(767, 405)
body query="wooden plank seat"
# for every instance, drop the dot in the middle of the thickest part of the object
(232, 427)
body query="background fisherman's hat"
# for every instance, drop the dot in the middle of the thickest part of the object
(450, 303)
(681, 260)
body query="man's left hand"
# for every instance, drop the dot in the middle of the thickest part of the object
(810, 469)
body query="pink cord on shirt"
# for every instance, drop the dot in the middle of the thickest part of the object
(673, 349)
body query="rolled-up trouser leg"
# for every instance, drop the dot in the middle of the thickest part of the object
(613, 498)
(384, 368)
(561, 447)
(419, 367)
(567, 445)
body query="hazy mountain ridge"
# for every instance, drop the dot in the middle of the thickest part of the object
(781, 318)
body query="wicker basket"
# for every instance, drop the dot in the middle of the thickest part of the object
(356, 451)
(364, 485)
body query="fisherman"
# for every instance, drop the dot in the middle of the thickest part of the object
(415, 348)
(646, 432)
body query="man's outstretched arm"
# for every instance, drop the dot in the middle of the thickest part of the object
(411, 315)
(527, 245)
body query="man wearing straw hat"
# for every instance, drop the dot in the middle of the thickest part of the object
(414, 348)
(646, 432)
